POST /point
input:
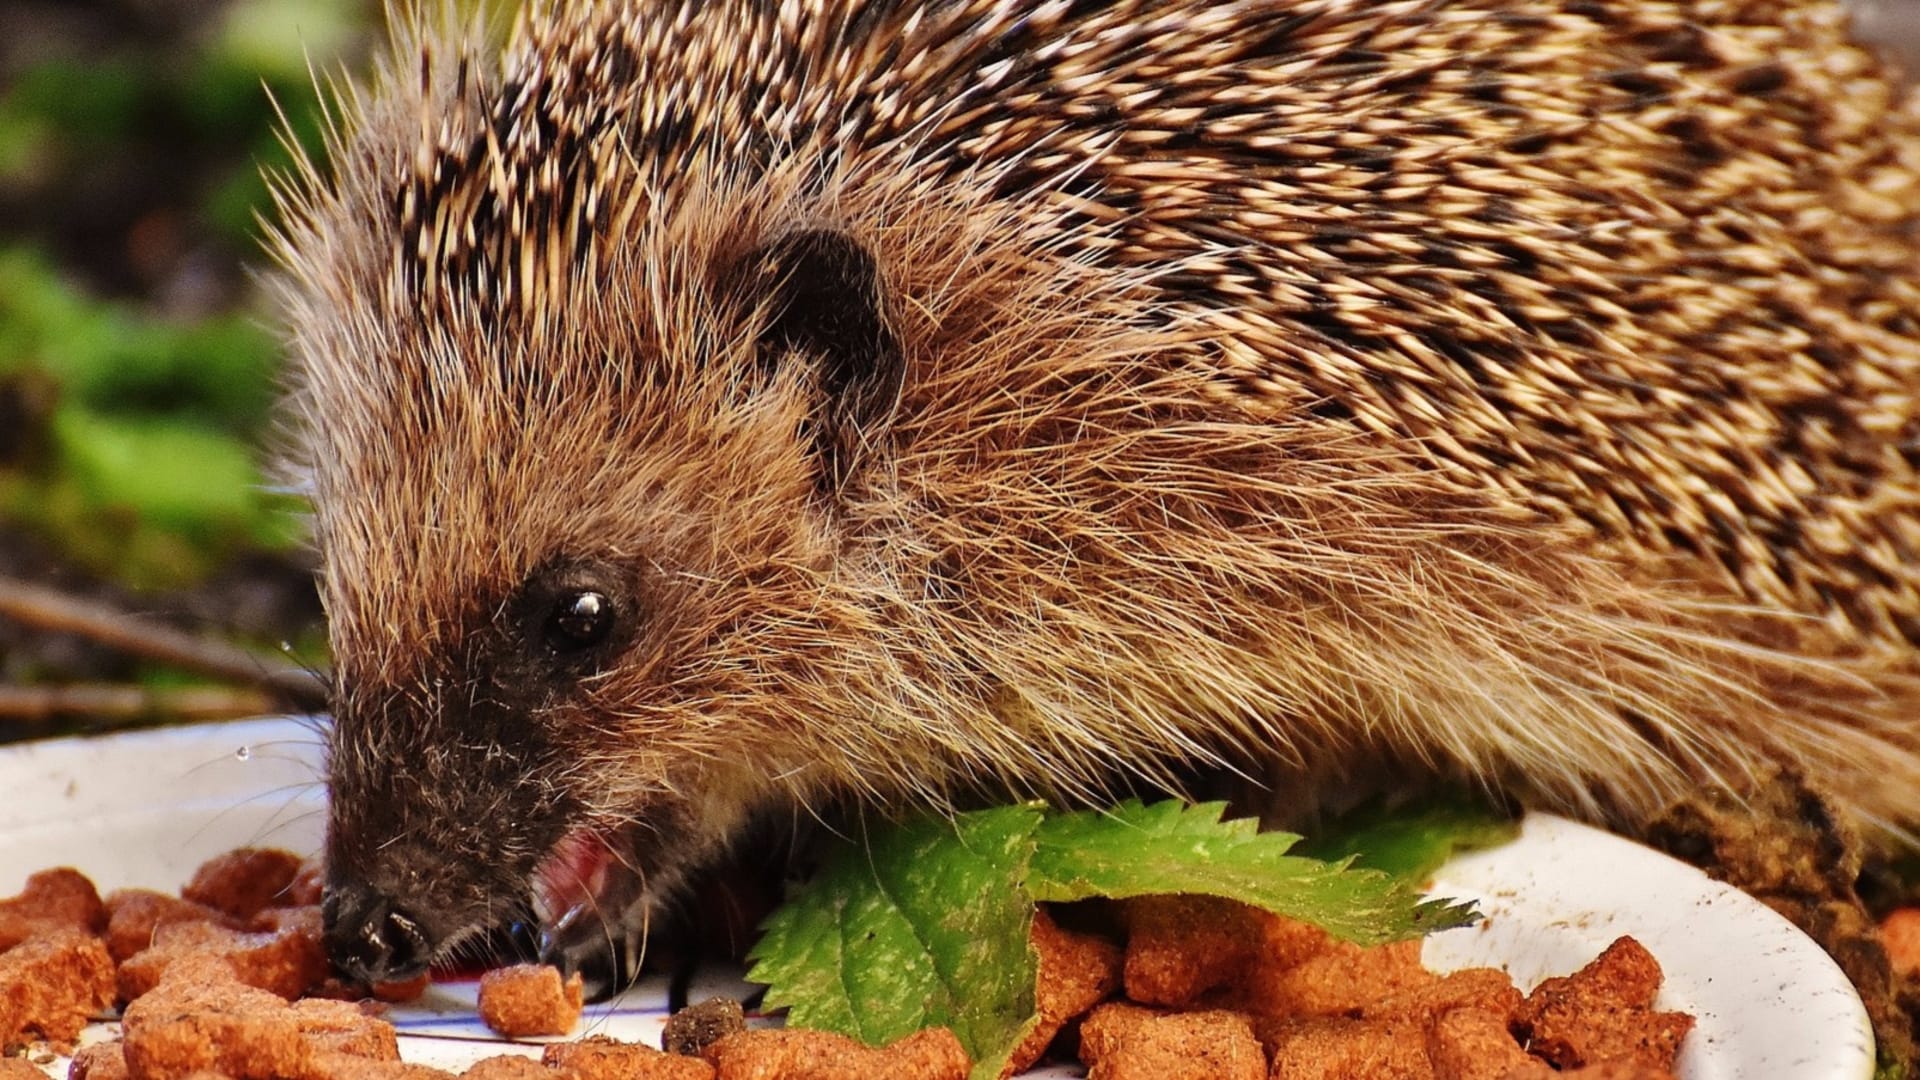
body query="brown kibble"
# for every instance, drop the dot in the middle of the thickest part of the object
(1900, 931)
(336, 1027)
(287, 962)
(58, 899)
(1075, 973)
(696, 1027)
(1603, 1012)
(134, 914)
(1474, 1044)
(1110, 1025)
(1488, 989)
(792, 1054)
(202, 1021)
(1624, 973)
(245, 881)
(101, 1061)
(508, 1067)
(348, 1067)
(1179, 947)
(201, 1018)
(928, 1054)
(13, 1068)
(395, 993)
(1340, 981)
(1345, 1048)
(530, 999)
(308, 887)
(1605, 1070)
(597, 1057)
(335, 988)
(302, 953)
(1640, 1037)
(299, 920)
(51, 984)
(1122, 1042)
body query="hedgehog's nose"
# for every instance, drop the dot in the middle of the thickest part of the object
(371, 939)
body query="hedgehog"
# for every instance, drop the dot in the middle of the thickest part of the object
(726, 412)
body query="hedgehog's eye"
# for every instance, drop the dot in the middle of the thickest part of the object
(567, 620)
(579, 621)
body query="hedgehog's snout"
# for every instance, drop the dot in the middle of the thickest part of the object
(372, 938)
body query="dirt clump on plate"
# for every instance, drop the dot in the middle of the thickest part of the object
(1788, 845)
(696, 1027)
(530, 999)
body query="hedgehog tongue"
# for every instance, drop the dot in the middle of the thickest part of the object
(582, 894)
(567, 885)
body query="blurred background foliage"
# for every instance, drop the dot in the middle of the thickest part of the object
(137, 352)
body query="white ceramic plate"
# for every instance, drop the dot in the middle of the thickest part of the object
(145, 809)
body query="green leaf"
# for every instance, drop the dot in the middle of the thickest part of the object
(1136, 849)
(926, 925)
(1411, 841)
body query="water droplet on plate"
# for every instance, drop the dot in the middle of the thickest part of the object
(243, 754)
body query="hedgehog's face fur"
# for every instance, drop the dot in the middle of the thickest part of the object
(611, 544)
(585, 671)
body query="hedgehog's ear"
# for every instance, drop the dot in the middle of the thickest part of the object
(824, 298)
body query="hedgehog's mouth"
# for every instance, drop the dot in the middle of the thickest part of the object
(573, 876)
(588, 896)
(602, 887)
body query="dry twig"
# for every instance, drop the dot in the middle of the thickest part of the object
(56, 612)
(42, 704)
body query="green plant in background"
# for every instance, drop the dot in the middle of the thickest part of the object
(135, 437)
(131, 440)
